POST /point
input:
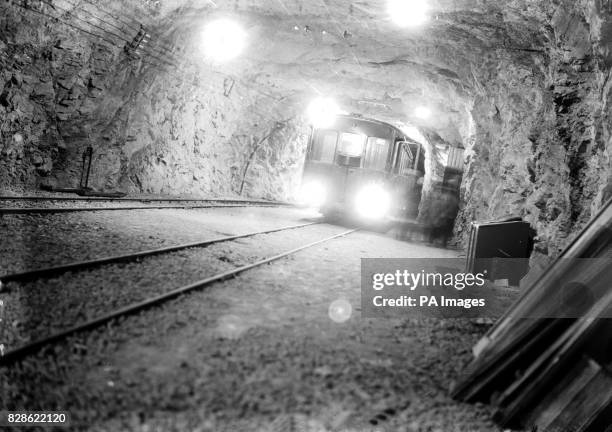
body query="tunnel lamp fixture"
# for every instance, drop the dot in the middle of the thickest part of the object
(223, 40)
(322, 112)
(407, 13)
(422, 112)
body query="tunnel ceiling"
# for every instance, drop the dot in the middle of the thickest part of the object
(353, 51)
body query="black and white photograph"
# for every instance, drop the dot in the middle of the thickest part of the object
(306, 215)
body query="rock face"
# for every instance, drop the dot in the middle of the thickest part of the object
(187, 137)
(153, 126)
(524, 86)
(540, 138)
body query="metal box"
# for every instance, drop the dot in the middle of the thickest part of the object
(500, 249)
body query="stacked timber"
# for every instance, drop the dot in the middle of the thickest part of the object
(546, 365)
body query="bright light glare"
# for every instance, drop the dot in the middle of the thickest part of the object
(223, 40)
(372, 202)
(351, 144)
(340, 310)
(312, 194)
(407, 13)
(322, 112)
(422, 112)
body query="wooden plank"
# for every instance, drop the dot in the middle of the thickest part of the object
(518, 397)
(496, 370)
(511, 339)
(562, 394)
(576, 249)
(586, 407)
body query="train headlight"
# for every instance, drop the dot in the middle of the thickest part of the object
(372, 202)
(313, 194)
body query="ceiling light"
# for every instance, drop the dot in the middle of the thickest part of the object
(322, 112)
(422, 112)
(408, 13)
(223, 40)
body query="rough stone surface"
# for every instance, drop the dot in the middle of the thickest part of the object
(154, 126)
(539, 140)
(259, 352)
(524, 86)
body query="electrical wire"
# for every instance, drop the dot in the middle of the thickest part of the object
(70, 13)
(117, 18)
(112, 43)
(23, 4)
(138, 29)
(110, 15)
(108, 41)
(160, 43)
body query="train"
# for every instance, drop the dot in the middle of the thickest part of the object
(364, 168)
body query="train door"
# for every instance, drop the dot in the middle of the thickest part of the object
(323, 146)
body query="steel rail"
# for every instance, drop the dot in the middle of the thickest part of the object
(32, 347)
(45, 210)
(138, 199)
(81, 265)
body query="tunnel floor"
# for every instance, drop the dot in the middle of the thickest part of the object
(259, 352)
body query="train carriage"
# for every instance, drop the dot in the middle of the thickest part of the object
(364, 168)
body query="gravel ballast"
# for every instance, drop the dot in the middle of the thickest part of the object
(259, 352)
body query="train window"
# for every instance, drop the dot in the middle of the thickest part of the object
(405, 159)
(351, 144)
(324, 146)
(377, 150)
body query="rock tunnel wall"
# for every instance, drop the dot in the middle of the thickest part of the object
(154, 128)
(188, 137)
(539, 140)
(534, 117)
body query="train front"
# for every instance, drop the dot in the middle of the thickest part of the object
(348, 169)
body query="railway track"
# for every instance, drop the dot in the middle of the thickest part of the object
(184, 203)
(134, 199)
(131, 257)
(49, 210)
(27, 349)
